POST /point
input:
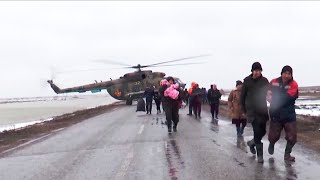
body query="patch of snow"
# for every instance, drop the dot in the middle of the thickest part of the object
(22, 125)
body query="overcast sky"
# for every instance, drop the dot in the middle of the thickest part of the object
(36, 37)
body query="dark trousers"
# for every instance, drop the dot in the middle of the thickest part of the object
(172, 114)
(149, 104)
(259, 130)
(214, 109)
(190, 107)
(240, 122)
(158, 105)
(197, 109)
(290, 128)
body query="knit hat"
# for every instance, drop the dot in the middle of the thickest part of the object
(256, 66)
(238, 82)
(286, 69)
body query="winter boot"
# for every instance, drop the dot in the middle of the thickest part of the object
(260, 152)
(288, 150)
(169, 129)
(175, 128)
(251, 146)
(241, 130)
(288, 157)
(271, 148)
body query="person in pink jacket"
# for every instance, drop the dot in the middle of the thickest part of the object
(170, 101)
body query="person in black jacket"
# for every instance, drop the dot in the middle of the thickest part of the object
(214, 97)
(283, 93)
(149, 93)
(186, 96)
(157, 100)
(253, 101)
(196, 101)
(171, 106)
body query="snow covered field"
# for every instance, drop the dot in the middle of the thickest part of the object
(20, 112)
(305, 105)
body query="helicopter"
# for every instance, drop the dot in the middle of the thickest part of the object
(130, 86)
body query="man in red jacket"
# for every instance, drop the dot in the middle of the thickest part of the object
(282, 96)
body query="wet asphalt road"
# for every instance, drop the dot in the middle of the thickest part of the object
(123, 144)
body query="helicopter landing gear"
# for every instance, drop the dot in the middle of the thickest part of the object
(129, 102)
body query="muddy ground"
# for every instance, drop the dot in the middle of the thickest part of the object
(308, 127)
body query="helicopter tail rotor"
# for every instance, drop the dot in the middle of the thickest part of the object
(55, 88)
(49, 78)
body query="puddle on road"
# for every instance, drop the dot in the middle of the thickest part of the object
(241, 144)
(214, 128)
(173, 157)
(159, 120)
(289, 171)
(239, 163)
(215, 142)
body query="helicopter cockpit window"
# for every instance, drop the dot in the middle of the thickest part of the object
(143, 76)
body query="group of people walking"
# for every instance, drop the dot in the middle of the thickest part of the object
(151, 95)
(197, 96)
(248, 103)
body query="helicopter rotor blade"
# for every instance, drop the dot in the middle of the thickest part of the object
(107, 61)
(176, 60)
(86, 70)
(135, 67)
(178, 64)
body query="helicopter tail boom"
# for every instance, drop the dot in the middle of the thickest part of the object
(94, 88)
